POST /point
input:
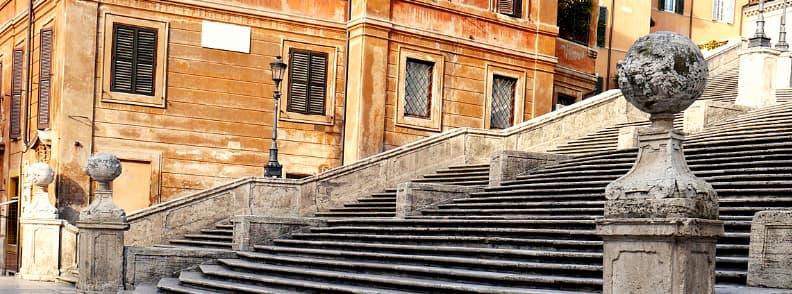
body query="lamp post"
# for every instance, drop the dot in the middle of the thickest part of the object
(274, 168)
(759, 39)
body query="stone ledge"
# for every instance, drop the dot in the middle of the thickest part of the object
(412, 197)
(508, 164)
(147, 265)
(659, 227)
(250, 230)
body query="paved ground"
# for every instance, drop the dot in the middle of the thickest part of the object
(12, 285)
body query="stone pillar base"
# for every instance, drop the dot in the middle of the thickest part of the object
(704, 113)
(101, 257)
(770, 261)
(507, 165)
(659, 255)
(40, 249)
(757, 82)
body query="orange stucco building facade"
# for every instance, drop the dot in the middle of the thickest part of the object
(181, 91)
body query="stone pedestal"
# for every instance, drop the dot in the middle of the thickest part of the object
(40, 249)
(784, 70)
(628, 138)
(757, 81)
(660, 224)
(41, 240)
(770, 258)
(507, 165)
(102, 225)
(659, 255)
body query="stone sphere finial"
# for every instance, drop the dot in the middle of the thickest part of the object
(41, 174)
(103, 167)
(663, 73)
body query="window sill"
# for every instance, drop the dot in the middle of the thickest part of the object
(305, 118)
(411, 123)
(133, 99)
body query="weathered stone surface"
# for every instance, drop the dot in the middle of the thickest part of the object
(412, 197)
(41, 175)
(757, 82)
(628, 138)
(40, 249)
(659, 255)
(250, 230)
(784, 70)
(704, 113)
(100, 256)
(103, 168)
(770, 257)
(507, 165)
(663, 73)
(147, 265)
(660, 184)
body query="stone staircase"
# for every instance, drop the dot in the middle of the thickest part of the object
(534, 234)
(378, 204)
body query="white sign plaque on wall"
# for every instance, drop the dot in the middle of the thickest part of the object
(225, 36)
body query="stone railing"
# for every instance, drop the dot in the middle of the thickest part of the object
(718, 58)
(304, 197)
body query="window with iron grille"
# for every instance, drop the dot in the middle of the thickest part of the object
(45, 76)
(16, 94)
(134, 59)
(675, 6)
(509, 7)
(502, 103)
(418, 88)
(307, 82)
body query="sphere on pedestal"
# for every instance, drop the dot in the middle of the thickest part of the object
(663, 73)
(103, 167)
(41, 174)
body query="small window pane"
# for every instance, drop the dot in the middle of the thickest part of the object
(418, 88)
(502, 115)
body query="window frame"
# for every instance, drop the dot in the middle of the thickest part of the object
(434, 121)
(330, 83)
(520, 75)
(519, 7)
(677, 6)
(160, 71)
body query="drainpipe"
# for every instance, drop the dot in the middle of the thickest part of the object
(610, 44)
(28, 77)
(690, 24)
(346, 80)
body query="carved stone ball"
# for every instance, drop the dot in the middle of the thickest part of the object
(103, 167)
(663, 73)
(41, 174)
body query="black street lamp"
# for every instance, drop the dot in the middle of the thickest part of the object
(273, 168)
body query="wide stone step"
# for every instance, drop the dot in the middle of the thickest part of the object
(200, 243)
(458, 175)
(402, 282)
(572, 211)
(217, 231)
(486, 270)
(377, 200)
(523, 205)
(532, 198)
(173, 285)
(361, 209)
(209, 237)
(376, 205)
(452, 181)
(249, 281)
(504, 191)
(560, 179)
(468, 241)
(552, 184)
(356, 214)
(462, 223)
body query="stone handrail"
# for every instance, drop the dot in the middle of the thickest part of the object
(718, 58)
(304, 197)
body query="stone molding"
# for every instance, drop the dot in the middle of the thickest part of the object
(770, 253)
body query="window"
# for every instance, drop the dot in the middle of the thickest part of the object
(602, 26)
(417, 89)
(45, 77)
(511, 8)
(675, 6)
(309, 95)
(574, 20)
(503, 89)
(564, 100)
(723, 10)
(505, 97)
(135, 52)
(16, 94)
(307, 82)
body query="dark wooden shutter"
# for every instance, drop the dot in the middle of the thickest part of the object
(510, 7)
(16, 94)
(45, 73)
(307, 82)
(134, 59)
